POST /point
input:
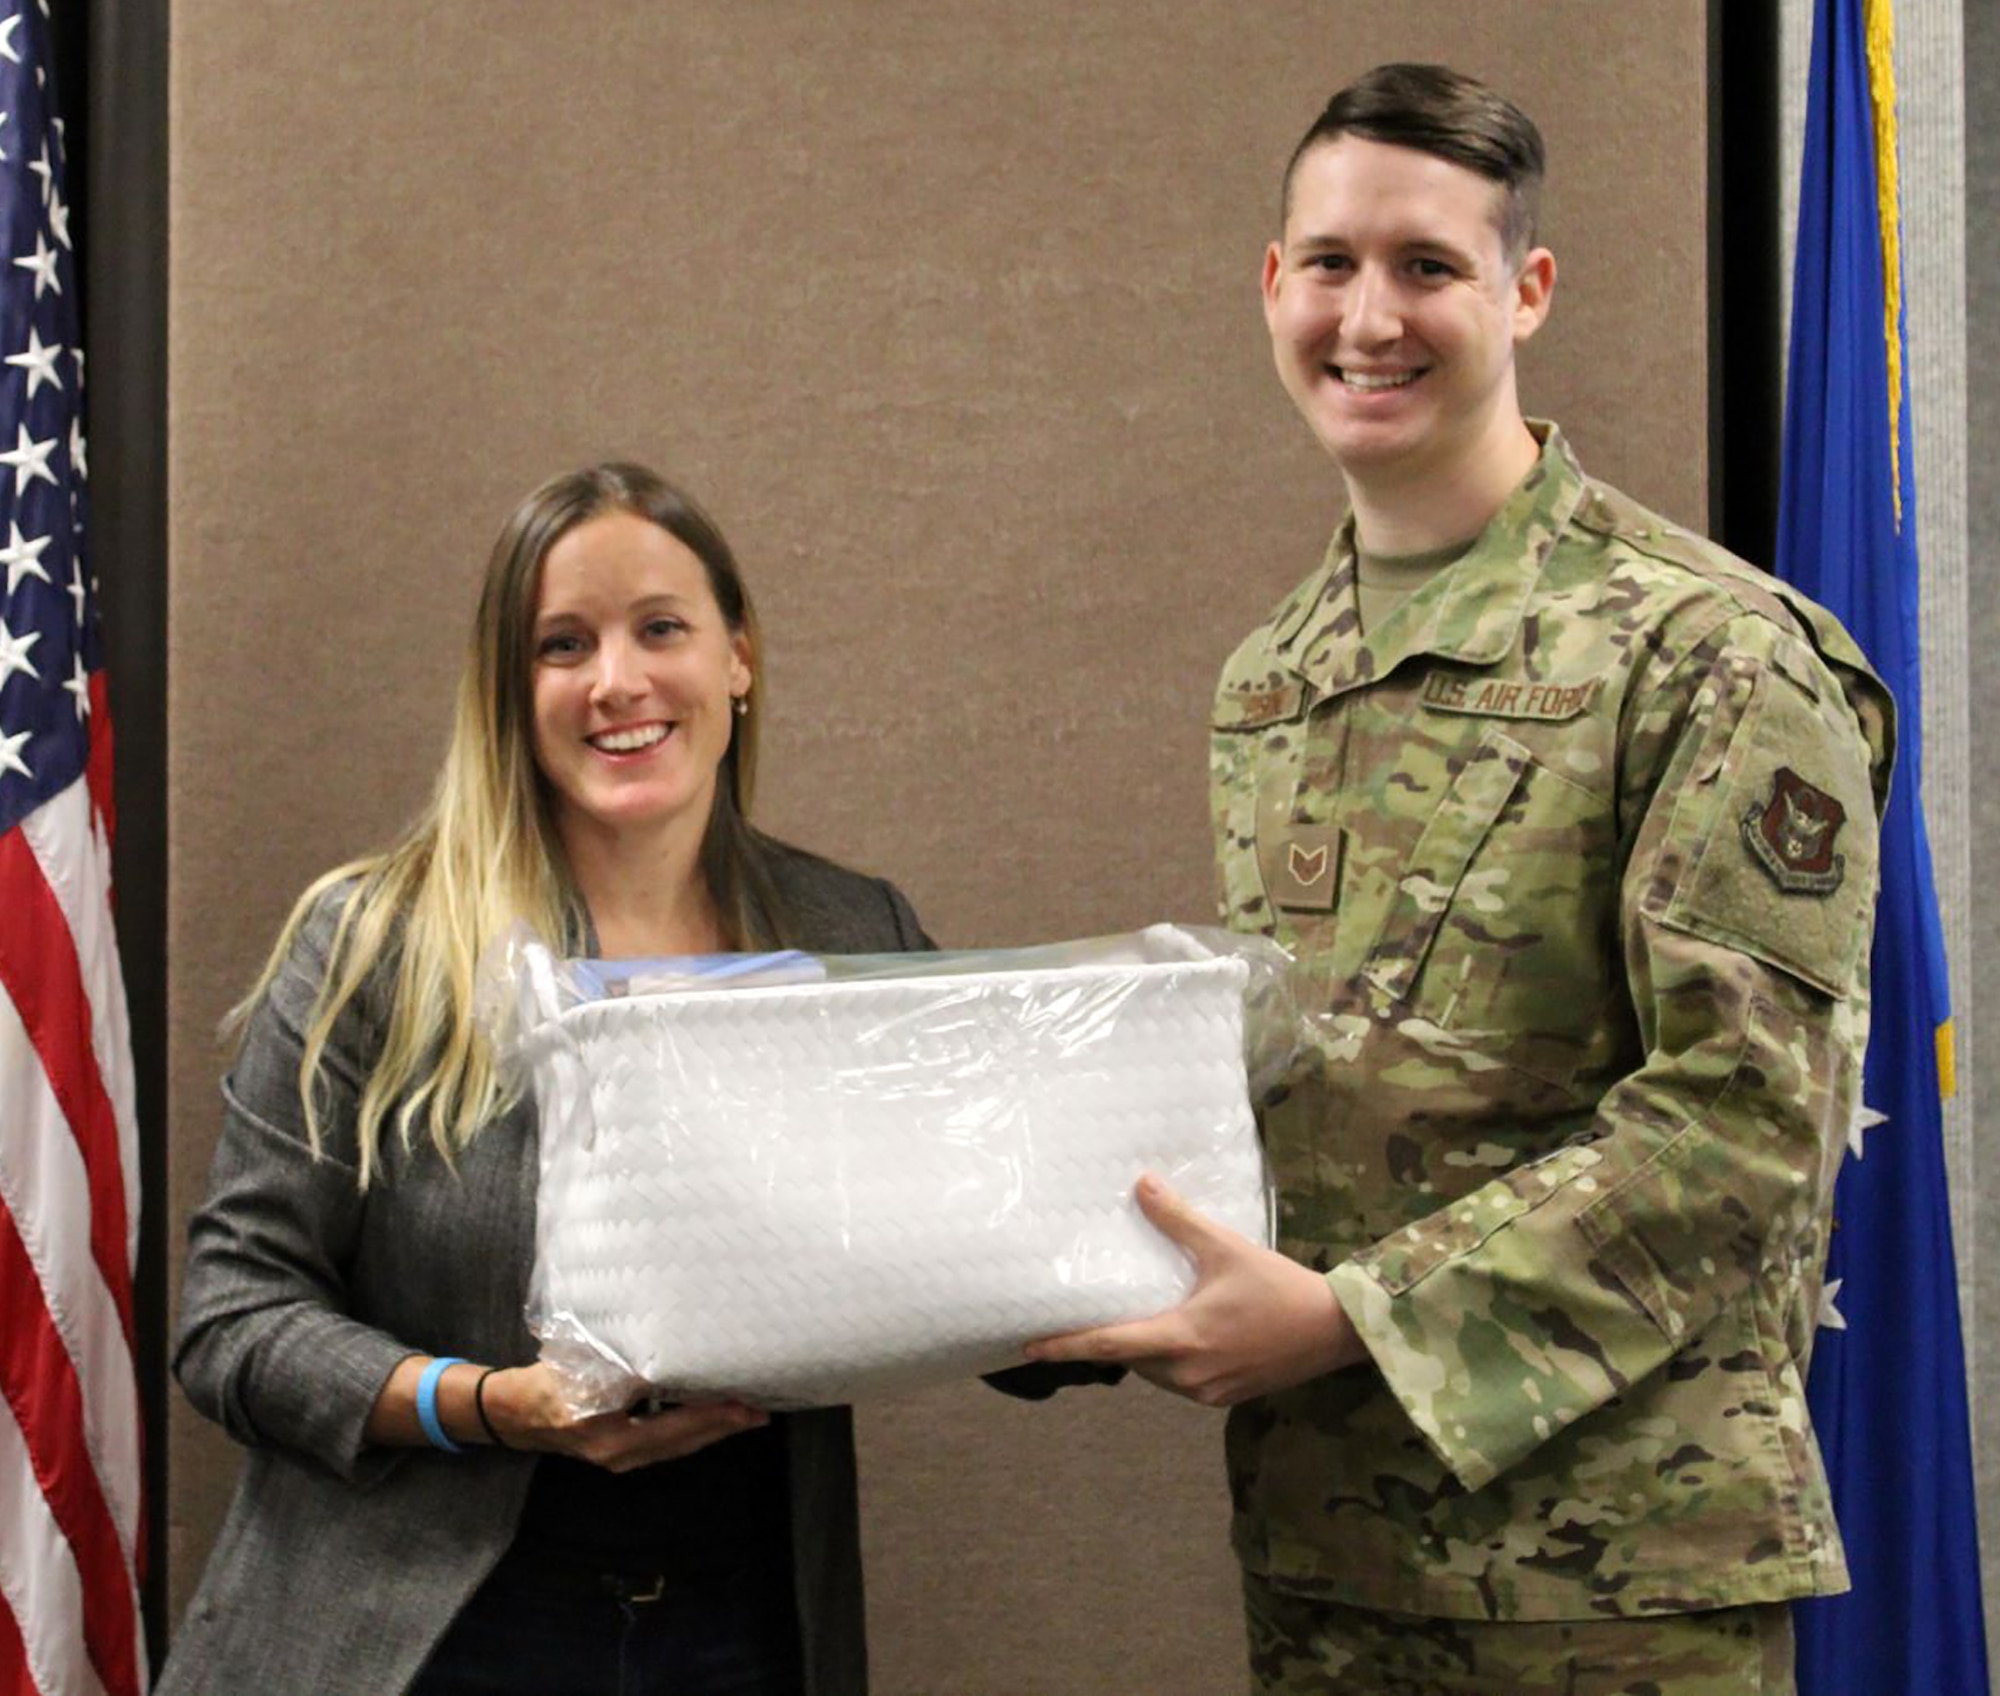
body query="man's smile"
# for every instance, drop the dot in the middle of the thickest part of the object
(1371, 381)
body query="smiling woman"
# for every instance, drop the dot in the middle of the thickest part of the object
(370, 1222)
(638, 674)
(612, 677)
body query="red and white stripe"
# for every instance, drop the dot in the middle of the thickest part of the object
(72, 1540)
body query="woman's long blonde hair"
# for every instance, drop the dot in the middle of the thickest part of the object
(485, 852)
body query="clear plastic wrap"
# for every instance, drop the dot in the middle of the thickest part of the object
(796, 1179)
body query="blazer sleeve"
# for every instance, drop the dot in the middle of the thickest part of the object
(267, 1346)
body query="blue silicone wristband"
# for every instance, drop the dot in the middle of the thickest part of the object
(427, 1403)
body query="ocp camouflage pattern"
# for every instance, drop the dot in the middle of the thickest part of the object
(1306, 1646)
(1581, 1069)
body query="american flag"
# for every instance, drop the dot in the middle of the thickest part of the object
(71, 1514)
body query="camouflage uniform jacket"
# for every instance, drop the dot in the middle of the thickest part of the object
(1577, 854)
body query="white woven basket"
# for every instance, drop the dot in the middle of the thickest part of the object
(804, 1194)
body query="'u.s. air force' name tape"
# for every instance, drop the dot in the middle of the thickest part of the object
(1501, 697)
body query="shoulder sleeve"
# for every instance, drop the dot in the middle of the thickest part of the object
(836, 910)
(911, 937)
(266, 1346)
(1749, 783)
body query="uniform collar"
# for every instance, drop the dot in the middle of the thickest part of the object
(1471, 611)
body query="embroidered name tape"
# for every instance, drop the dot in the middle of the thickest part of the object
(1501, 697)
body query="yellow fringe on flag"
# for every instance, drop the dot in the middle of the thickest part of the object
(1880, 17)
(1880, 20)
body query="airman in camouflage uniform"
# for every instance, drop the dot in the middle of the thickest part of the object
(1578, 851)
(1575, 846)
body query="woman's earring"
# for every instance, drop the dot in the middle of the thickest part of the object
(739, 704)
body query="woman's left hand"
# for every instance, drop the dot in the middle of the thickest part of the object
(525, 1407)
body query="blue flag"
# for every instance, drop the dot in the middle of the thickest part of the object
(1888, 1381)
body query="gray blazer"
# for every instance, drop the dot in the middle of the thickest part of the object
(341, 1564)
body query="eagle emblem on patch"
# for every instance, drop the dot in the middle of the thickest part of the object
(1792, 835)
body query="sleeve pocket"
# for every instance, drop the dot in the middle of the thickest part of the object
(1787, 871)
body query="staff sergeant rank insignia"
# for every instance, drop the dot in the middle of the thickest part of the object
(1791, 835)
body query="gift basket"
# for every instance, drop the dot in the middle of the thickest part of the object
(799, 1180)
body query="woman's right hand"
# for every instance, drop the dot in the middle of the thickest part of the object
(525, 1407)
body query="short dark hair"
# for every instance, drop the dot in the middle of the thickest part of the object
(1434, 109)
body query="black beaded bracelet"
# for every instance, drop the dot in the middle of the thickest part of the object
(479, 1407)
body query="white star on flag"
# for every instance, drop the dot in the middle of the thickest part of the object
(76, 447)
(79, 686)
(59, 219)
(14, 652)
(38, 360)
(10, 754)
(1865, 1120)
(43, 264)
(22, 557)
(8, 50)
(77, 592)
(1830, 1317)
(29, 458)
(47, 172)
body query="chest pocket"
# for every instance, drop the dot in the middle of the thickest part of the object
(1497, 936)
(1437, 866)
(1808, 914)
(1256, 728)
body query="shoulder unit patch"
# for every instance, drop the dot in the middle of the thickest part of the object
(1791, 835)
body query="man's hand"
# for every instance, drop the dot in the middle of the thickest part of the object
(1255, 1323)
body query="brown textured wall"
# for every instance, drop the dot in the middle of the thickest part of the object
(949, 311)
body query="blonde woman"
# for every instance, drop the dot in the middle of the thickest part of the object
(417, 1511)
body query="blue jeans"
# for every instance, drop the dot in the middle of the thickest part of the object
(524, 1633)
